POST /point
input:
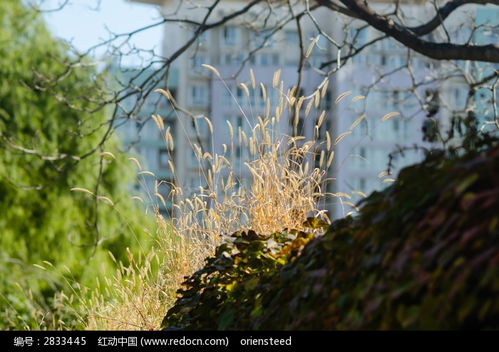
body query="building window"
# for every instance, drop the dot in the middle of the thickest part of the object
(240, 95)
(291, 37)
(384, 99)
(164, 188)
(199, 95)
(173, 92)
(460, 95)
(203, 37)
(316, 60)
(138, 150)
(237, 186)
(396, 126)
(230, 35)
(194, 184)
(163, 158)
(228, 99)
(300, 127)
(239, 122)
(406, 129)
(395, 61)
(359, 59)
(362, 184)
(201, 128)
(237, 157)
(329, 125)
(265, 59)
(198, 60)
(193, 159)
(252, 97)
(395, 158)
(363, 128)
(363, 153)
(233, 59)
(275, 59)
(429, 65)
(396, 99)
(360, 36)
(261, 101)
(262, 39)
(322, 42)
(383, 60)
(168, 124)
(327, 101)
(359, 156)
(326, 126)
(291, 60)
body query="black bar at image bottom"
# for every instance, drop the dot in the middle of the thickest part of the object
(238, 340)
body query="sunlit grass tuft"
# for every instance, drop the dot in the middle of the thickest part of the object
(280, 181)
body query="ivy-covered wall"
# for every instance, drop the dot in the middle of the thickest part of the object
(423, 254)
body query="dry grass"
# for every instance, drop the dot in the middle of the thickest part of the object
(285, 187)
(140, 293)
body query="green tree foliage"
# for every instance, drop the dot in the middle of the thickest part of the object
(422, 254)
(48, 119)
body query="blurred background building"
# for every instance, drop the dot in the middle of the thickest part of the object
(386, 73)
(142, 138)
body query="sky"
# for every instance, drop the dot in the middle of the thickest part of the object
(85, 23)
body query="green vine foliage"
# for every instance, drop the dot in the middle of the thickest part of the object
(422, 254)
(226, 293)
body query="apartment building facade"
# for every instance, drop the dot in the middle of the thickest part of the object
(204, 94)
(142, 139)
(368, 150)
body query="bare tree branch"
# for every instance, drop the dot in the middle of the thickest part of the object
(444, 12)
(437, 51)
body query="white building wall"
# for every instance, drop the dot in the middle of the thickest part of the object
(362, 155)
